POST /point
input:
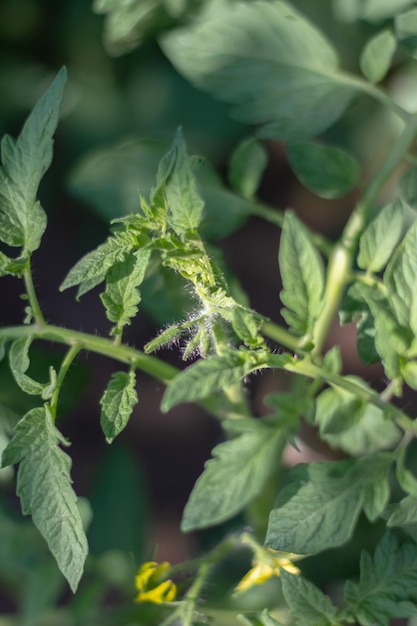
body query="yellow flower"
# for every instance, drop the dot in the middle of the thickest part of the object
(151, 585)
(267, 565)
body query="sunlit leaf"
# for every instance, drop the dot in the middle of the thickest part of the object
(234, 476)
(275, 68)
(24, 162)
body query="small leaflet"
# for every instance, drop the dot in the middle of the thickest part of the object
(117, 404)
(302, 275)
(377, 55)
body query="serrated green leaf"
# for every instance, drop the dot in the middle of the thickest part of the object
(302, 276)
(234, 476)
(376, 57)
(321, 514)
(267, 60)
(306, 602)
(122, 296)
(185, 205)
(24, 162)
(406, 30)
(354, 308)
(44, 486)
(356, 427)
(19, 364)
(208, 376)
(246, 167)
(404, 513)
(406, 479)
(319, 509)
(91, 270)
(391, 340)
(400, 280)
(387, 583)
(13, 267)
(327, 171)
(374, 472)
(109, 181)
(117, 404)
(380, 237)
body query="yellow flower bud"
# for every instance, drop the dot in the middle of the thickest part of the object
(151, 585)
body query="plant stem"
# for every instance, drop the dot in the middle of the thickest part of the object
(221, 407)
(282, 336)
(66, 363)
(33, 299)
(342, 258)
(307, 368)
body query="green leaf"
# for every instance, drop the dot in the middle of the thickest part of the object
(320, 508)
(208, 376)
(234, 476)
(268, 61)
(44, 486)
(406, 31)
(408, 188)
(25, 161)
(391, 340)
(13, 267)
(122, 297)
(128, 24)
(354, 308)
(348, 423)
(185, 203)
(327, 171)
(117, 403)
(321, 514)
(387, 585)
(400, 280)
(404, 513)
(371, 10)
(19, 364)
(377, 55)
(380, 237)
(91, 270)
(246, 167)
(306, 602)
(109, 180)
(302, 276)
(406, 479)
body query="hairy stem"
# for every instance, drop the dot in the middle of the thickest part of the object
(33, 299)
(221, 407)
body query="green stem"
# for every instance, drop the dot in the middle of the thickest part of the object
(33, 299)
(65, 365)
(221, 407)
(282, 336)
(374, 92)
(342, 258)
(307, 368)
(193, 594)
